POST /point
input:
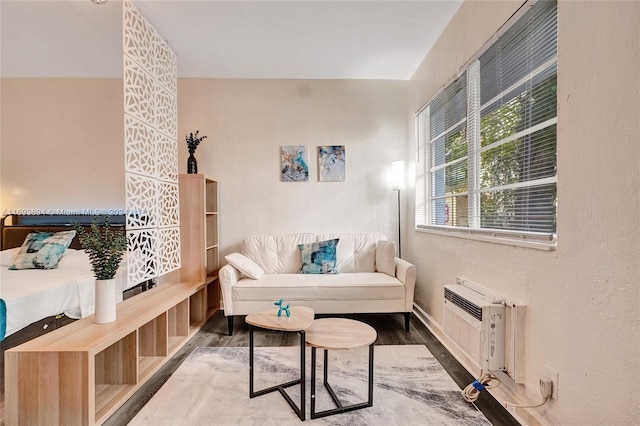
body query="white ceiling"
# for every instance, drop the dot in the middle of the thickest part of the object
(227, 39)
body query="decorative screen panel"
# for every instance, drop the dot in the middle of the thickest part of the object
(168, 205)
(151, 152)
(166, 112)
(169, 254)
(166, 161)
(142, 255)
(139, 38)
(138, 93)
(139, 150)
(142, 201)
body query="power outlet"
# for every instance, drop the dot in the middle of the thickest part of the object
(546, 387)
(555, 378)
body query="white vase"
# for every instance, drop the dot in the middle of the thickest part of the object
(105, 301)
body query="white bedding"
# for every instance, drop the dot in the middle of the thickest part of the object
(33, 294)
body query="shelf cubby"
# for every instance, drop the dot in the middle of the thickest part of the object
(152, 345)
(211, 226)
(116, 373)
(212, 262)
(211, 196)
(197, 309)
(213, 297)
(178, 324)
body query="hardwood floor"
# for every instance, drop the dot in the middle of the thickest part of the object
(390, 330)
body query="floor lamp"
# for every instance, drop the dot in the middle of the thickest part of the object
(397, 176)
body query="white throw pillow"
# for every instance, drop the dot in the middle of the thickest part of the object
(385, 257)
(245, 265)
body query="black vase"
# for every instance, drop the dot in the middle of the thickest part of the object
(192, 164)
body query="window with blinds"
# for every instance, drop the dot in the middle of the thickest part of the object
(487, 141)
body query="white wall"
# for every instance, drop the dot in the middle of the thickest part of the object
(583, 314)
(61, 144)
(247, 121)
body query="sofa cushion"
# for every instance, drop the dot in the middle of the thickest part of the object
(319, 257)
(276, 254)
(356, 251)
(279, 254)
(245, 265)
(385, 257)
(311, 287)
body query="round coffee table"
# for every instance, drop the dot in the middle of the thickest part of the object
(301, 317)
(338, 333)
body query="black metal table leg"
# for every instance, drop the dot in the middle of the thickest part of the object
(313, 381)
(339, 407)
(251, 395)
(300, 411)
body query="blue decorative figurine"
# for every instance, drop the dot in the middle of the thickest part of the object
(282, 308)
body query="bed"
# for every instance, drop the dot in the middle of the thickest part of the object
(30, 295)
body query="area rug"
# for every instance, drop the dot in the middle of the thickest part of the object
(211, 387)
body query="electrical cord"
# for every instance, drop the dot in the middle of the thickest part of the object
(472, 391)
(508, 404)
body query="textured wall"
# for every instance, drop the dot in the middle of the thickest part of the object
(247, 121)
(61, 144)
(582, 299)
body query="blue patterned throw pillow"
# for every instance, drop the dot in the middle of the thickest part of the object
(42, 250)
(319, 258)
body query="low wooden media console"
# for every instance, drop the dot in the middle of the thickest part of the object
(82, 373)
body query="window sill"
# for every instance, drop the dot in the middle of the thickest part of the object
(547, 242)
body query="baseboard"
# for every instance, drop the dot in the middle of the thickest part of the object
(515, 395)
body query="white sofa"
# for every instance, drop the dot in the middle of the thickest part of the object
(369, 278)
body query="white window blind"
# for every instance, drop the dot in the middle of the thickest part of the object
(487, 141)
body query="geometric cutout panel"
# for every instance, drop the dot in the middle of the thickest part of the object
(168, 250)
(138, 147)
(166, 112)
(166, 158)
(138, 37)
(142, 201)
(166, 65)
(141, 256)
(168, 205)
(151, 150)
(138, 93)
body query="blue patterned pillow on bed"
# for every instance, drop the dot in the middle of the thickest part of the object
(319, 258)
(42, 250)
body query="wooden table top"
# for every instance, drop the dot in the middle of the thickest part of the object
(301, 317)
(339, 333)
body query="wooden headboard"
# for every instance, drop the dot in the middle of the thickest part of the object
(15, 228)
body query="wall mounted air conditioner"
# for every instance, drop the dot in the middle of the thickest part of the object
(476, 323)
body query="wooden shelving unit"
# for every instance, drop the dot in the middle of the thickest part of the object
(92, 369)
(199, 239)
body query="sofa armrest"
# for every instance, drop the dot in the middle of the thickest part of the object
(228, 276)
(406, 273)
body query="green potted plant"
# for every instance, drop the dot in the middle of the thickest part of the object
(105, 247)
(193, 140)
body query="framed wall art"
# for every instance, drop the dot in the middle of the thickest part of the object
(293, 163)
(332, 164)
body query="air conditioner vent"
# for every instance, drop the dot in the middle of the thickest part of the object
(464, 304)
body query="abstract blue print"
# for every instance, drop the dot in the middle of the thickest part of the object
(319, 258)
(293, 164)
(332, 163)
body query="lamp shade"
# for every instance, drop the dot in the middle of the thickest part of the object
(397, 175)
